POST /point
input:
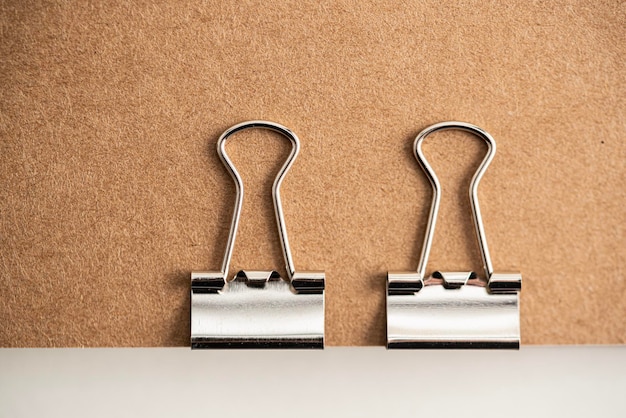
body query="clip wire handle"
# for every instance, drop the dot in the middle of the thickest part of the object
(278, 209)
(473, 193)
(497, 282)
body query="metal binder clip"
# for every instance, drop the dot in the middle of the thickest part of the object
(453, 309)
(257, 309)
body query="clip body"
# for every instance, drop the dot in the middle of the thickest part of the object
(453, 309)
(257, 309)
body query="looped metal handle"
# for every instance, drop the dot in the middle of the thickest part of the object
(473, 192)
(278, 209)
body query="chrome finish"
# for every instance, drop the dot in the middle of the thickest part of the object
(257, 309)
(466, 317)
(434, 181)
(454, 279)
(505, 282)
(278, 207)
(453, 309)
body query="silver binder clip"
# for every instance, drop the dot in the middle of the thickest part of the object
(453, 309)
(257, 309)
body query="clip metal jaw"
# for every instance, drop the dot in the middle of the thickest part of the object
(450, 310)
(453, 309)
(257, 309)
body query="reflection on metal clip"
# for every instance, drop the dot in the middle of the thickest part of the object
(257, 309)
(453, 309)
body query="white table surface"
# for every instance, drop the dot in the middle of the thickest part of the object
(344, 382)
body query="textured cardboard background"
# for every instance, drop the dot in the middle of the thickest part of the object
(111, 192)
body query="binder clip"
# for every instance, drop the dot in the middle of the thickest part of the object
(453, 309)
(257, 309)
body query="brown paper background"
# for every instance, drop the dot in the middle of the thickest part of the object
(111, 191)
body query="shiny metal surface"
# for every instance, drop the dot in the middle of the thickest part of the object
(453, 309)
(278, 207)
(257, 309)
(434, 181)
(466, 317)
